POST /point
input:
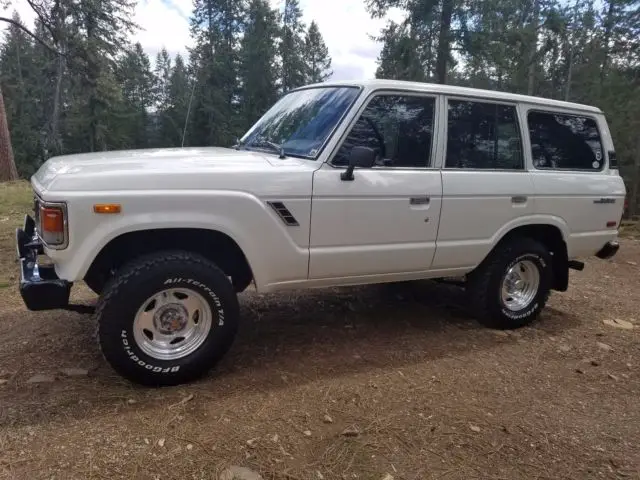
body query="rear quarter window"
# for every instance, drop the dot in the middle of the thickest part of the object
(565, 142)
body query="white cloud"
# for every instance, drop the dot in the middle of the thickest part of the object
(346, 27)
(344, 24)
(23, 9)
(163, 24)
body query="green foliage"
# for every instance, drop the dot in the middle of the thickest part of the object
(258, 73)
(292, 46)
(579, 51)
(133, 75)
(214, 62)
(20, 80)
(316, 56)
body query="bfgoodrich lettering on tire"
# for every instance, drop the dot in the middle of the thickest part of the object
(511, 287)
(167, 318)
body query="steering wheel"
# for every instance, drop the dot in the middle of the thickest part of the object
(383, 149)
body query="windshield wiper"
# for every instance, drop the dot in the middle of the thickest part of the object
(275, 146)
(239, 144)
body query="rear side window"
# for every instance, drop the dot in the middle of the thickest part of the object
(569, 142)
(483, 136)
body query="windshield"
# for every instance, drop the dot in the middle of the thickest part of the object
(300, 122)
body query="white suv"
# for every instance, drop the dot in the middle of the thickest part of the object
(337, 184)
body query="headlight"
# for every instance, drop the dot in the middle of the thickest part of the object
(52, 224)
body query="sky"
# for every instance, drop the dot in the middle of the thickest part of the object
(344, 24)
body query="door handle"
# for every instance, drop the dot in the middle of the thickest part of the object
(419, 200)
(519, 199)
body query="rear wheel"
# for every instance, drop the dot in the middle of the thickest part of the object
(167, 318)
(511, 287)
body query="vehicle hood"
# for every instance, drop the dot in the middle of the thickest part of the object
(168, 168)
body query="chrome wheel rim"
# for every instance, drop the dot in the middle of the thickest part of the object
(520, 285)
(172, 323)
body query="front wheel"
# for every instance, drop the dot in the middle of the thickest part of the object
(511, 287)
(167, 318)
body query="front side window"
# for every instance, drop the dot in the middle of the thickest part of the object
(399, 128)
(483, 136)
(300, 123)
(564, 141)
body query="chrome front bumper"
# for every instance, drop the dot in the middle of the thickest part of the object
(40, 287)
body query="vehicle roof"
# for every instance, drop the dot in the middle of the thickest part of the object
(463, 91)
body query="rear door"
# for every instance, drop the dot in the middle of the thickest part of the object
(485, 185)
(573, 177)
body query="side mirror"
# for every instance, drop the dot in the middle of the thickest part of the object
(361, 157)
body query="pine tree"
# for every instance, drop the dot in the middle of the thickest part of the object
(18, 82)
(178, 102)
(215, 28)
(8, 169)
(133, 74)
(316, 56)
(162, 74)
(258, 62)
(400, 56)
(161, 131)
(428, 24)
(103, 27)
(292, 47)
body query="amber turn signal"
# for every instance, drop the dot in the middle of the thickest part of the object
(107, 208)
(52, 219)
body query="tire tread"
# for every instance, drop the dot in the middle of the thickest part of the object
(137, 267)
(479, 282)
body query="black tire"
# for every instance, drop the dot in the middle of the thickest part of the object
(241, 282)
(139, 280)
(96, 281)
(484, 284)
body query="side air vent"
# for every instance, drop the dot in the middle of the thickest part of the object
(284, 213)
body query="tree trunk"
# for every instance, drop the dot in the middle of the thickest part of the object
(608, 28)
(444, 41)
(7, 164)
(533, 48)
(567, 90)
(54, 133)
(635, 179)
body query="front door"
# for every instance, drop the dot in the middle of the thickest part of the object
(383, 223)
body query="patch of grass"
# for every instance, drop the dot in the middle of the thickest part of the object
(15, 195)
(629, 229)
(15, 202)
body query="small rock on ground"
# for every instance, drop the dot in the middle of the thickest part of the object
(327, 419)
(604, 346)
(474, 428)
(41, 378)
(388, 476)
(239, 473)
(616, 322)
(74, 372)
(564, 348)
(350, 432)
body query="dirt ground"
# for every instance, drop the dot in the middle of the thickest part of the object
(376, 382)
